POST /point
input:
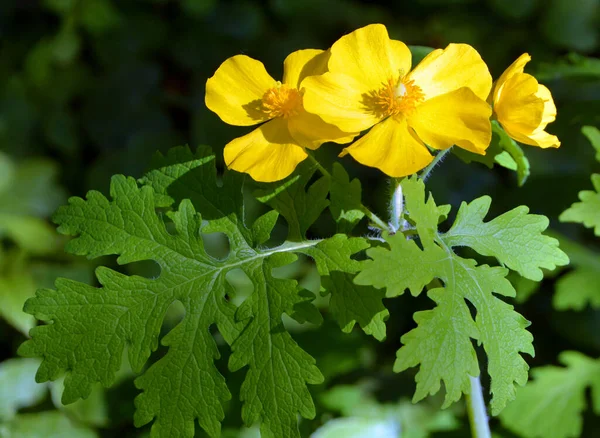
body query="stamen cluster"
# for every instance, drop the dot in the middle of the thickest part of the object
(282, 101)
(396, 96)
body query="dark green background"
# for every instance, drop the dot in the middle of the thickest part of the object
(98, 86)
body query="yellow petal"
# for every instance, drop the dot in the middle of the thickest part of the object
(516, 67)
(458, 118)
(457, 66)
(538, 138)
(392, 148)
(302, 63)
(369, 56)
(268, 153)
(339, 100)
(235, 91)
(549, 114)
(518, 108)
(310, 131)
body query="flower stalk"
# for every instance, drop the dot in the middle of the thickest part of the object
(437, 159)
(476, 410)
(396, 205)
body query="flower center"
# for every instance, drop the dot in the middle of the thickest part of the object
(282, 101)
(396, 96)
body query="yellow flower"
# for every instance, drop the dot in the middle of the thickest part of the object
(440, 103)
(523, 107)
(242, 93)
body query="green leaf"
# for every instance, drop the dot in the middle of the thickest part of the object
(551, 406)
(581, 285)
(49, 424)
(298, 205)
(510, 146)
(92, 326)
(350, 303)
(19, 388)
(442, 342)
(586, 212)
(183, 174)
(515, 238)
(346, 199)
(593, 135)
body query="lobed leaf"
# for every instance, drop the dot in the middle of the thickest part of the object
(551, 406)
(442, 342)
(91, 327)
(593, 135)
(515, 238)
(587, 211)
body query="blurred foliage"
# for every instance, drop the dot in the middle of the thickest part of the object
(90, 88)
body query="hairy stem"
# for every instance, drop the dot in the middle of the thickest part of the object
(476, 410)
(372, 216)
(396, 205)
(437, 159)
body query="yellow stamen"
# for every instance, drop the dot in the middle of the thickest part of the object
(282, 101)
(396, 96)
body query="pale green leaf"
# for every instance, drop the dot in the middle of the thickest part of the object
(515, 238)
(28, 194)
(19, 388)
(442, 342)
(580, 286)
(15, 288)
(32, 234)
(586, 212)
(551, 406)
(512, 148)
(49, 424)
(359, 428)
(414, 420)
(577, 289)
(32, 190)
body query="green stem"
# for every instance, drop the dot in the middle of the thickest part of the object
(439, 157)
(476, 410)
(372, 216)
